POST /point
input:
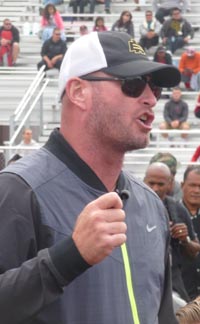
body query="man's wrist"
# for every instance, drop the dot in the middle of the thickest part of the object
(186, 241)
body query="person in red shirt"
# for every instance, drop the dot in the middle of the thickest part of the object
(189, 66)
(9, 43)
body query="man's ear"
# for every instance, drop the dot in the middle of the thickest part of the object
(77, 91)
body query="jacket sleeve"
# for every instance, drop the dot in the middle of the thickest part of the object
(59, 21)
(166, 307)
(182, 64)
(188, 31)
(16, 38)
(185, 111)
(31, 276)
(167, 117)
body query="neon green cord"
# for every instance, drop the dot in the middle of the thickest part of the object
(130, 284)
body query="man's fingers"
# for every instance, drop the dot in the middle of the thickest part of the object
(106, 201)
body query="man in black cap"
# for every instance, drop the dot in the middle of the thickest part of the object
(96, 239)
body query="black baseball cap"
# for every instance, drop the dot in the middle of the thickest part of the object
(117, 54)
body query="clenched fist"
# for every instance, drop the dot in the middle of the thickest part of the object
(100, 228)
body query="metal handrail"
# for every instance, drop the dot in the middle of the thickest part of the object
(20, 108)
(28, 113)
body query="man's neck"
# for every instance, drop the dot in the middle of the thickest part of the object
(193, 209)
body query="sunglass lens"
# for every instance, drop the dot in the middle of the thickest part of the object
(133, 88)
(156, 90)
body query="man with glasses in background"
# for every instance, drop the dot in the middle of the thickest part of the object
(176, 31)
(9, 43)
(149, 31)
(88, 240)
(53, 51)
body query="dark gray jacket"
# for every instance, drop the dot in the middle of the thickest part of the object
(40, 198)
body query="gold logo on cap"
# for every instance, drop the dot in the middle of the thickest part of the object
(135, 47)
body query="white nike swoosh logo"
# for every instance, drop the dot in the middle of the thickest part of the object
(150, 229)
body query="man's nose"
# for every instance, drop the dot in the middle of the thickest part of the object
(148, 98)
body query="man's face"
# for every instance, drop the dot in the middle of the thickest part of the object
(149, 16)
(176, 94)
(159, 182)
(56, 35)
(191, 189)
(176, 15)
(7, 24)
(27, 136)
(121, 122)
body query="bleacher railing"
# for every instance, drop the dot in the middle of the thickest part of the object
(27, 105)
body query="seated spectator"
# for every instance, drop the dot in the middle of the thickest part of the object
(53, 51)
(149, 31)
(83, 30)
(176, 32)
(190, 313)
(189, 66)
(163, 8)
(9, 43)
(196, 155)
(99, 25)
(162, 56)
(27, 143)
(124, 23)
(51, 18)
(175, 113)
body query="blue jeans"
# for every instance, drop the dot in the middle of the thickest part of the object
(93, 3)
(174, 42)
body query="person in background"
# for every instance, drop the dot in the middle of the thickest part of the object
(176, 32)
(175, 114)
(190, 313)
(163, 8)
(51, 19)
(162, 56)
(27, 143)
(189, 66)
(9, 43)
(174, 190)
(83, 30)
(149, 31)
(191, 201)
(99, 25)
(70, 215)
(124, 23)
(53, 51)
(183, 238)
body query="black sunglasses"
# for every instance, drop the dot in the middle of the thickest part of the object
(130, 87)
